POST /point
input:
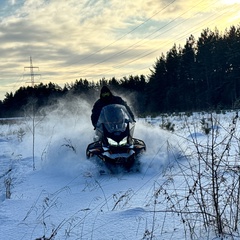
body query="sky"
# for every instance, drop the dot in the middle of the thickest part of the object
(95, 39)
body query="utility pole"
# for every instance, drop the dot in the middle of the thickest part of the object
(32, 74)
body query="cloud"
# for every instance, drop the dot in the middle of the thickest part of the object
(96, 38)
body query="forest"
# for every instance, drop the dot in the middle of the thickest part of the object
(202, 75)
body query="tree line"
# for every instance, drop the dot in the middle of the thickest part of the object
(204, 74)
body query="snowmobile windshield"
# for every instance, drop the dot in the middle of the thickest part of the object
(114, 117)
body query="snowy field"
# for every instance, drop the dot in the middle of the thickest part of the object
(49, 190)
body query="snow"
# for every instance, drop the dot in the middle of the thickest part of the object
(65, 197)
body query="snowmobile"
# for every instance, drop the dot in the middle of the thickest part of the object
(114, 143)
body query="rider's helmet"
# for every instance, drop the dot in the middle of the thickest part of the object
(105, 93)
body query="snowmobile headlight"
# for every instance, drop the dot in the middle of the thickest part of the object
(123, 142)
(112, 142)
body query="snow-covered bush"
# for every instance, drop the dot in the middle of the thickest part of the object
(210, 198)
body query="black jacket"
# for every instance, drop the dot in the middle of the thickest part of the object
(100, 103)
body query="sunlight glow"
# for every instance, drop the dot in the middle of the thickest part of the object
(230, 2)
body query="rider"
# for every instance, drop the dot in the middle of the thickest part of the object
(106, 98)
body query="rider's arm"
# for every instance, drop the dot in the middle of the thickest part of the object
(95, 113)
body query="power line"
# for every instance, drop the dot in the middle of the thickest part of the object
(110, 44)
(130, 47)
(123, 51)
(147, 53)
(153, 51)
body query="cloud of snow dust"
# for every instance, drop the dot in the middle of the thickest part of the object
(161, 146)
(62, 136)
(129, 97)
